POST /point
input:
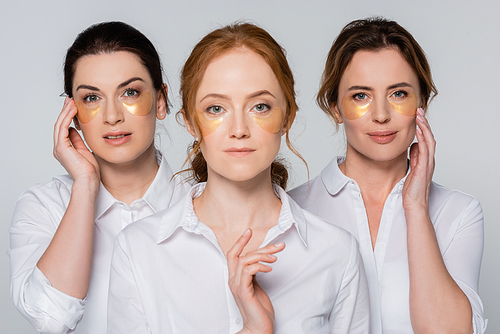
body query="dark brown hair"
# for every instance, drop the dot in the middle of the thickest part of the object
(372, 34)
(215, 44)
(109, 37)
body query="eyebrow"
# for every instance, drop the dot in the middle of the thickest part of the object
(397, 85)
(260, 93)
(123, 84)
(400, 84)
(250, 96)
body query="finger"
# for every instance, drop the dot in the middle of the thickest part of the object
(270, 249)
(60, 119)
(235, 251)
(251, 258)
(64, 120)
(426, 130)
(414, 155)
(245, 280)
(75, 139)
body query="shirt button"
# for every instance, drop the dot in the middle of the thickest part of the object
(237, 321)
(381, 245)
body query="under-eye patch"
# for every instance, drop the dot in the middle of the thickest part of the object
(351, 109)
(86, 114)
(140, 107)
(408, 107)
(271, 121)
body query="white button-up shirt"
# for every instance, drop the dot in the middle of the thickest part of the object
(37, 215)
(457, 219)
(169, 275)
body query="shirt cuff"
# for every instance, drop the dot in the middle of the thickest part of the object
(43, 301)
(478, 322)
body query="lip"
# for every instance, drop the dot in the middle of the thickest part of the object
(117, 137)
(239, 151)
(382, 136)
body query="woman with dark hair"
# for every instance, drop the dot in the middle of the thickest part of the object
(206, 264)
(421, 243)
(62, 233)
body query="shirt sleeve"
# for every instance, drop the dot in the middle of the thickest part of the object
(351, 313)
(35, 220)
(463, 259)
(125, 309)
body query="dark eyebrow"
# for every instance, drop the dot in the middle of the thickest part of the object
(360, 88)
(219, 96)
(259, 93)
(87, 87)
(400, 84)
(125, 83)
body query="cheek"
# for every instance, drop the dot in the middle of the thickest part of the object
(271, 121)
(408, 107)
(351, 110)
(142, 106)
(85, 114)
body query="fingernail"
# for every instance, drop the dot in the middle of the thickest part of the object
(420, 118)
(272, 256)
(421, 111)
(279, 244)
(246, 232)
(419, 130)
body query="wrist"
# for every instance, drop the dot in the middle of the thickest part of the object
(89, 187)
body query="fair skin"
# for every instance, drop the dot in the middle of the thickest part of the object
(125, 163)
(239, 154)
(376, 157)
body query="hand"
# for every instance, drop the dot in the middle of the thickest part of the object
(70, 150)
(253, 302)
(417, 185)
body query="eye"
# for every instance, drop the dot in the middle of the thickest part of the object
(400, 94)
(261, 107)
(215, 109)
(90, 98)
(360, 97)
(130, 92)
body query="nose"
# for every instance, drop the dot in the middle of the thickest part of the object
(113, 112)
(381, 111)
(239, 124)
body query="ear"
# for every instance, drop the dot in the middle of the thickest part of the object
(336, 113)
(288, 123)
(76, 122)
(161, 104)
(189, 126)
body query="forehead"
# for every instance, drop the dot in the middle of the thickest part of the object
(239, 72)
(378, 69)
(109, 69)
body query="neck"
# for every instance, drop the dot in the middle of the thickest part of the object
(374, 177)
(237, 205)
(129, 181)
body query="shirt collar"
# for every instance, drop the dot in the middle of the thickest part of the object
(334, 180)
(157, 196)
(182, 215)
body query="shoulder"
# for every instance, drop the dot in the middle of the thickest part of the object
(308, 192)
(452, 201)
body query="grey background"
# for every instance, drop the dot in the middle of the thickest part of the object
(459, 37)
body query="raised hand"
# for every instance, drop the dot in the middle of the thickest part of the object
(416, 188)
(254, 304)
(70, 150)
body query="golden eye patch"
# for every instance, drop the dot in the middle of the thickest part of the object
(84, 113)
(142, 106)
(271, 121)
(351, 109)
(209, 122)
(408, 107)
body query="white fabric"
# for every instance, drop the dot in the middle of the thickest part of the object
(169, 275)
(457, 219)
(37, 215)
